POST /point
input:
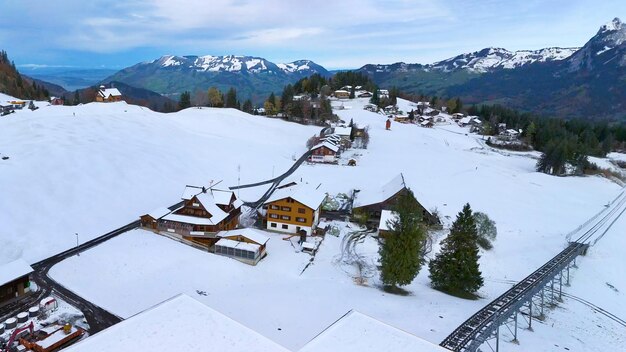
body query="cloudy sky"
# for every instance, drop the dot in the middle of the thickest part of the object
(336, 34)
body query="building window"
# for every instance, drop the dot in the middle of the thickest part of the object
(300, 219)
(285, 208)
(275, 207)
(301, 210)
(274, 216)
(285, 217)
(196, 204)
(285, 227)
(272, 224)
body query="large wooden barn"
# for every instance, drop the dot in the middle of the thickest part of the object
(371, 203)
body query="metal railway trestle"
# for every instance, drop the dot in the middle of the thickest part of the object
(537, 289)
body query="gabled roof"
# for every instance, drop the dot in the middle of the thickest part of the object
(374, 196)
(178, 324)
(190, 192)
(308, 196)
(222, 197)
(209, 204)
(159, 213)
(14, 270)
(251, 234)
(105, 93)
(357, 332)
(343, 131)
(328, 145)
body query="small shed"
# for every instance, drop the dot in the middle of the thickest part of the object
(246, 245)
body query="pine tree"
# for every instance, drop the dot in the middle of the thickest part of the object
(185, 100)
(401, 251)
(247, 106)
(455, 269)
(375, 99)
(231, 98)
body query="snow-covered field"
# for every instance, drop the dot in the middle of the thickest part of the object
(97, 170)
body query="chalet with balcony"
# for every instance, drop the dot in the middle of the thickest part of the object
(204, 213)
(293, 210)
(108, 95)
(325, 152)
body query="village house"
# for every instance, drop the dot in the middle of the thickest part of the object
(427, 123)
(108, 95)
(204, 213)
(14, 281)
(370, 107)
(364, 94)
(293, 210)
(342, 94)
(325, 152)
(343, 132)
(383, 93)
(246, 245)
(56, 101)
(390, 109)
(369, 204)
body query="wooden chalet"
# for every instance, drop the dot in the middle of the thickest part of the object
(246, 245)
(56, 101)
(324, 152)
(342, 94)
(293, 210)
(14, 281)
(371, 203)
(108, 95)
(204, 213)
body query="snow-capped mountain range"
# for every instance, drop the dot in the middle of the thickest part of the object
(495, 58)
(236, 63)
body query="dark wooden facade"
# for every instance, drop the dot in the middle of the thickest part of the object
(194, 208)
(373, 211)
(14, 289)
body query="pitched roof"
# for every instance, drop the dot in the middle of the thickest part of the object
(178, 324)
(190, 192)
(306, 195)
(343, 131)
(108, 92)
(328, 145)
(249, 233)
(159, 213)
(208, 202)
(222, 197)
(357, 332)
(14, 270)
(374, 196)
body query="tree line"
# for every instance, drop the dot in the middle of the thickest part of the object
(12, 82)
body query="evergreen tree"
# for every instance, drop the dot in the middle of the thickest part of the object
(185, 100)
(412, 115)
(401, 255)
(375, 99)
(247, 106)
(455, 268)
(352, 93)
(231, 98)
(76, 97)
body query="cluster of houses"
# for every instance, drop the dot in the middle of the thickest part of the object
(359, 92)
(331, 145)
(208, 218)
(424, 115)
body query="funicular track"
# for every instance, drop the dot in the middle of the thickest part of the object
(536, 290)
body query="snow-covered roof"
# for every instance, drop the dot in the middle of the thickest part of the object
(193, 220)
(221, 197)
(373, 196)
(251, 247)
(14, 270)
(357, 332)
(208, 202)
(190, 192)
(251, 234)
(304, 194)
(512, 131)
(466, 120)
(385, 217)
(109, 92)
(343, 131)
(178, 324)
(341, 91)
(426, 123)
(328, 145)
(159, 212)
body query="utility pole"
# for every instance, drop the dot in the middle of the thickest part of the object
(77, 252)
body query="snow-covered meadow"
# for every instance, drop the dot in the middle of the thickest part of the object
(92, 168)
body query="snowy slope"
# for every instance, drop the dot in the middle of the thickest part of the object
(444, 166)
(92, 168)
